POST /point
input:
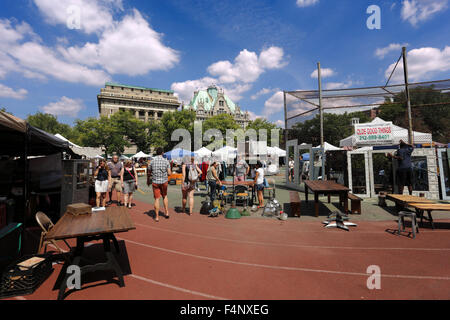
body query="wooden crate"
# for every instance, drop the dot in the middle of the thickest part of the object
(79, 208)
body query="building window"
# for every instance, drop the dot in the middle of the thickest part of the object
(221, 103)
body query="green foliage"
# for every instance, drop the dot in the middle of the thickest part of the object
(170, 122)
(3, 109)
(336, 128)
(261, 124)
(102, 133)
(135, 130)
(221, 122)
(50, 124)
(428, 118)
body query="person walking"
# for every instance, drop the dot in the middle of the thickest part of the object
(129, 182)
(191, 173)
(102, 180)
(115, 166)
(259, 182)
(242, 169)
(213, 180)
(404, 170)
(160, 171)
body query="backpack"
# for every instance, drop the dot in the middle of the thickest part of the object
(191, 173)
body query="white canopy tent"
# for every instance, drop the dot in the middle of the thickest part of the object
(141, 154)
(275, 151)
(329, 147)
(203, 152)
(225, 154)
(399, 133)
(88, 152)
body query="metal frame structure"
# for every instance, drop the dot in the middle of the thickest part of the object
(442, 173)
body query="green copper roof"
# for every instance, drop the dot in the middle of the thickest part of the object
(209, 98)
(136, 87)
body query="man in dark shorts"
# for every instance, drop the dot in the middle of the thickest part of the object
(404, 170)
(159, 170)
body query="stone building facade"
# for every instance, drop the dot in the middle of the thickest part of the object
(213, 101)
(145, 103)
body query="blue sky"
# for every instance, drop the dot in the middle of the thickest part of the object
(253, 49)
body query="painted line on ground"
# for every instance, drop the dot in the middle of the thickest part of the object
(162, 284)
(283, 267)
(287, 245)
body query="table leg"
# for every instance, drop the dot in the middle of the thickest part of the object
(116, 244)
(75, 261)
(345, 198)
(306, 193)
(329, 198)
(430, 218)
(111, 261)
(316, 203)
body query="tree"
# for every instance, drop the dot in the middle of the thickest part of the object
(335, 128)
(3, 109)
(102, 133)
(135, 130)
(263, 124)
(432, 113)
(49, 123)
(172, 121)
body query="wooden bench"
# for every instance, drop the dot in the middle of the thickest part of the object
(295, 203)
(355, 204)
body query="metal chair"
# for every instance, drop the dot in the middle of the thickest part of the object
(401, 222)
(270, 189)
(46, 225)
(242, 195)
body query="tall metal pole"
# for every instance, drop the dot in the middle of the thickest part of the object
(408, 98)
(320, 105)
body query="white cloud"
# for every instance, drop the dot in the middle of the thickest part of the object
(64, 107)
(338, 85)
(324, 72)
(274, 104)
(423, 64)
(262, 92)
(382, 52)
(415, 11)
(235, 77)
(247, 66)
(95, 15)
(306, 3)
(131, 47)
(7, 92)
(280, 123)
(253, 116)
(185, 90)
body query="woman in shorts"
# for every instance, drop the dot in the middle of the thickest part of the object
(102, 181)
(129, 182)
(259, 183)
(191, 173)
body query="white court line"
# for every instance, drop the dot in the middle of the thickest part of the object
(289, 245)
(422, 231)
(162, 284)
(284, 268)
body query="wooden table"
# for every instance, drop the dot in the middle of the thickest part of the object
(403, 200)
(100, 225)
(429, 207)
(326, 188)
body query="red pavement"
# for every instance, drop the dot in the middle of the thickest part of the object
(196, 257)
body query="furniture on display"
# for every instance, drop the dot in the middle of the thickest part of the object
(101, 225)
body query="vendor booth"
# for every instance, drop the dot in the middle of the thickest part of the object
(370, 171)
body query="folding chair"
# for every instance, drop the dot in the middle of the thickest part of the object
(46, 225)
(270, 189)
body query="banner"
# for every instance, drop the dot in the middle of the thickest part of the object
(374, 134)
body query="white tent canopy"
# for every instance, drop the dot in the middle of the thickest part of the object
(141, 154)
(88, 152)
(203, 152)
(399, 133)
(329, 147)
(275, 151)
(226, 153)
